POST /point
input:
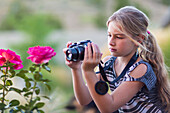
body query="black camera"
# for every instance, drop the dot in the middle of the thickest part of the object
(75, 52)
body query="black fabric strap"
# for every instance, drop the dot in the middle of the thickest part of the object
(102, 70)
(105, 68)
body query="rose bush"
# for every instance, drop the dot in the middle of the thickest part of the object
(9, 63)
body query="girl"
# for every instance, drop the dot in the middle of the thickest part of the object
(144, 85)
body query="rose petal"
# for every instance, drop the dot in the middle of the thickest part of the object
(18, 66)
(2, 60)
(40, 54)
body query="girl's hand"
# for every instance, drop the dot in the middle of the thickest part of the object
(71, 64)
(92, 57)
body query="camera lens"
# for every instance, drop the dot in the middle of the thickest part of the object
(72, 54)
(80, 52)
(75, 51)
(69, 55)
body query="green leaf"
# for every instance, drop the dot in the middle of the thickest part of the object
(37, 76)
(48, 86)
(22, 75)
(31, 103)
(29, 93)
(36, 65)
(14, 103)
(12, 73)
(1, 97)
(40, 111)
(46, 64)
(9, 83)
(46, 97)
(32, 69)
(37, 98)
(24, 71)
(1, 86)
(15, 89)
(46, 68)
(22, 107)
(37, 91)
(4, 76)
(2, 106)
(27, 84)
(45, 80)
(40, 104)
(25, 89)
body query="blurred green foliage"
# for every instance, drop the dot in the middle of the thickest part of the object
(100, 20)
(36, 26)
(101, 16)
(22, 18)
(122, 3)
(166, 51)
(96, 3)
(165, 2)
(16, 13)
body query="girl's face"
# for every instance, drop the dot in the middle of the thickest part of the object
(118, 43)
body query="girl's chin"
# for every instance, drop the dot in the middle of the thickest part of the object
(114, 54)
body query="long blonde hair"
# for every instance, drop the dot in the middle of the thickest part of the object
(134, 23)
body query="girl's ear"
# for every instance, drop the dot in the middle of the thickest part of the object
(141, 38)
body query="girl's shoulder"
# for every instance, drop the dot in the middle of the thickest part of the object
(142, 71)
(138, 69)
(141, 66)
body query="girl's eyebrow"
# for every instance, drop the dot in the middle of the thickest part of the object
(117, 33)
(120, 34)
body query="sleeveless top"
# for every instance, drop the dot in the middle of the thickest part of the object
(147, 99)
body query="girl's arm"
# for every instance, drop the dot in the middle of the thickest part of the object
(80, 89)
(109, 102)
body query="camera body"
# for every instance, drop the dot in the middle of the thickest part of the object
(75, 52)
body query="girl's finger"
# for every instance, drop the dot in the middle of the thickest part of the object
(96, 51)
(86, 53)
(68, 44)
(90, 55)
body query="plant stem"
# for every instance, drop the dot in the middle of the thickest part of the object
(35, 83)
(3, 98)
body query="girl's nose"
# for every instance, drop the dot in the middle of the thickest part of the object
(112, 42)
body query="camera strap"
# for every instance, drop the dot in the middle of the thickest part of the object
(101, 87)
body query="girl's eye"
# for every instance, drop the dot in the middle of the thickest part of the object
(119, 37)
(109, 35)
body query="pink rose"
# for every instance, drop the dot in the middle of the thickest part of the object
(10, 56)
(40, 54)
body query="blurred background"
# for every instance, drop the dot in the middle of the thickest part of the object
(28, 23)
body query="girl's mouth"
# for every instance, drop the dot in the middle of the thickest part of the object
(112, 50)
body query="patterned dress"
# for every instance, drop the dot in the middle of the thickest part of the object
(147, 99)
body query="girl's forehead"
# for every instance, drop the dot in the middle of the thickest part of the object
(114, 27)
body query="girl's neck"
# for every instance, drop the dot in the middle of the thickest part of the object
(125, 59)
(121, 63)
